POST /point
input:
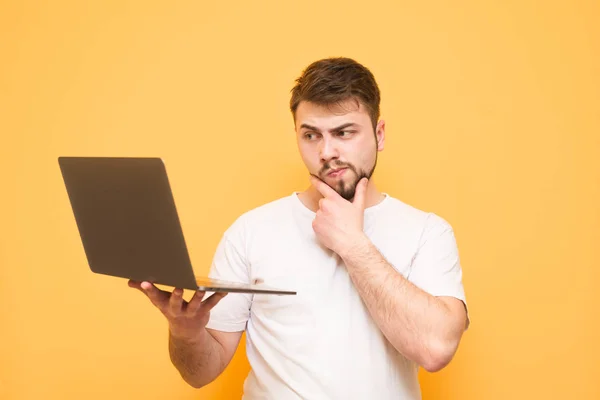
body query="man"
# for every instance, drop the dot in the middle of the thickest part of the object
(379, 283)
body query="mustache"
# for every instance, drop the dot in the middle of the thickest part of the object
(335, 165)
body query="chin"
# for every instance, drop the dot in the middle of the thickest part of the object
(346, 190)
(336, 183)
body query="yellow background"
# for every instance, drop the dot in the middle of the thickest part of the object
(493, 122)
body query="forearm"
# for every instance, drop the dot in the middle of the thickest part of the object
(198, 361)
(416, 323)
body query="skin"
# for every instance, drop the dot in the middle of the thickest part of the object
(335, 137)
(423, 328)
(339, 146)
(199, 354)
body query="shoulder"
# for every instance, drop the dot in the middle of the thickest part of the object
(261, 216)
(427, 223)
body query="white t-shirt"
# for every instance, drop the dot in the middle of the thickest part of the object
(322, 343)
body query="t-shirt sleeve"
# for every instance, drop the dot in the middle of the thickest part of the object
(230, 264)
(436, 267)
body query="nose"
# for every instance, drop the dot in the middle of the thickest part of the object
(327, 149)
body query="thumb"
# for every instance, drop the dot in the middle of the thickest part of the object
(360, 194)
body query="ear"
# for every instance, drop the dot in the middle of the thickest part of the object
(380, 135)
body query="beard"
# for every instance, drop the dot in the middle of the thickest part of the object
(347, 190)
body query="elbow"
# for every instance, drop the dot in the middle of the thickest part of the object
(196, 385)
(439, 354)
(195, 382)
(191, 378)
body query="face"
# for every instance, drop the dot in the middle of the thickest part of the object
(337, 143)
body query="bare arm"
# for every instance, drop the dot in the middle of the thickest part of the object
(424, 328)
(202, 360)
(199, 354)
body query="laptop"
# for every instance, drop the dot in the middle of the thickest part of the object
(129, 227)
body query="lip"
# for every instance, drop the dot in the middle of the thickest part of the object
(336, 172)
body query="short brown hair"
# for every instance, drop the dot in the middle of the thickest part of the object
(333, 80)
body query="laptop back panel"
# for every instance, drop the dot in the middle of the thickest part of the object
(127, 220)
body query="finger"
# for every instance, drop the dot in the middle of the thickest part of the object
(360, 194)
(135, 284)
(321, 203)
(212, 301)
(176, 301)
(196, 302)
(158, 297)
(323, 188)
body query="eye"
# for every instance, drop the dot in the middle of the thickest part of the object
(310, 135)
(344, 133)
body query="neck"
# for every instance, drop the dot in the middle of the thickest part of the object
(311, 196)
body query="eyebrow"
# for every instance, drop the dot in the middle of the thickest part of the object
(337, 129)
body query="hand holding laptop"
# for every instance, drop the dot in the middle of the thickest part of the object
(186, 319)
